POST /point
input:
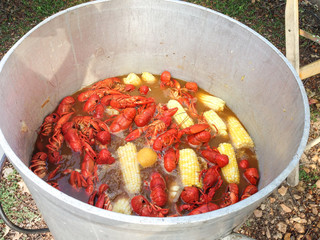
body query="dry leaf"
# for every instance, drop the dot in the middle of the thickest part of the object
(6, 172)
(313, 101)
(299, 220)
(318, 184)
(299, 228)
(5, 231)
(282, 191)
(257, 213)
(17, 236)
(285, 208)
(287, 236)
(282, 227)
(23, 187)
(268, 233)
(272, 200)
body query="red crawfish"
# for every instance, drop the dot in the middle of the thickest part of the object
(191, 86)
(197, 134)
(103, 137)
(100, 198)
(47, 126)
(91, 103)
(55, 142)
(65, 106)
(84, 96)
(252, 175)
(141, 206)
(249, 191)
(145, 115)
(231, 196)
(105, 157)
(144, 90)
(206, 207)
(212, 181)
(123, 120)
(170, 159)
(108, 83)
(213, 156)
(244, 164)
(38, 164)
(165, 139)
(54, 157)
(158, 193)
(88, 166)
(191, 197)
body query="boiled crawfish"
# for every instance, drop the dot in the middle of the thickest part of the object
(212, 181)
(38, 164)
(123, 121)
(206, 207)
(252, 175)
(65, 106)
(249, 191)
(166, 139)
(48, 124)
(100, 198)
(213, 156)
(231, 196)
(145, 115)
(197, 134)
(141, 206)
(158, 193)
(170, 159)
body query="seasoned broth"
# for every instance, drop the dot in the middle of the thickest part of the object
(66, 163)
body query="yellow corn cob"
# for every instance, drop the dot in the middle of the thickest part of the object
(122, 205)
(181, 116)
(133, 79)
(231, 170)
(238, 135)
(130, 167)
(148, 78)
(189, 168)
(214, 103)
(213, 119)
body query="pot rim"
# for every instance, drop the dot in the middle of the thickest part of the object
(79, 205)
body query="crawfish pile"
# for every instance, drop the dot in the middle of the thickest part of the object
(75, 151)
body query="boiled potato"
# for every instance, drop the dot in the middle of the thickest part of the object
(133, 79)
(148, 78)
(147, 157)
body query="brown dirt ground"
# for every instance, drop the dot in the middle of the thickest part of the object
(290, 212)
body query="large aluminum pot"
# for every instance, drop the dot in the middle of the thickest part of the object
(89, 42)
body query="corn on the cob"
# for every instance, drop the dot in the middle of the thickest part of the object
(148, 78)
(213, 119)
(238, 135)
(181, 116)
(231, 170)
(214, 103)
(122, 205)
(133, 79)
(130, 167)
(189, 168)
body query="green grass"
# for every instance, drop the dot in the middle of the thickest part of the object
(268, 24)
(11, 200)
(309, 178)
(18, 17)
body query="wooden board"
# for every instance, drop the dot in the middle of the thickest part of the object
(292, 32)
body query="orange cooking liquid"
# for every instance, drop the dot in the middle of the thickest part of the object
(111, 174)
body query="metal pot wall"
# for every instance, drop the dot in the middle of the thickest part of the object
(89, 42)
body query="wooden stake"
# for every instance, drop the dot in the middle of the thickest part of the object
(292, 32)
